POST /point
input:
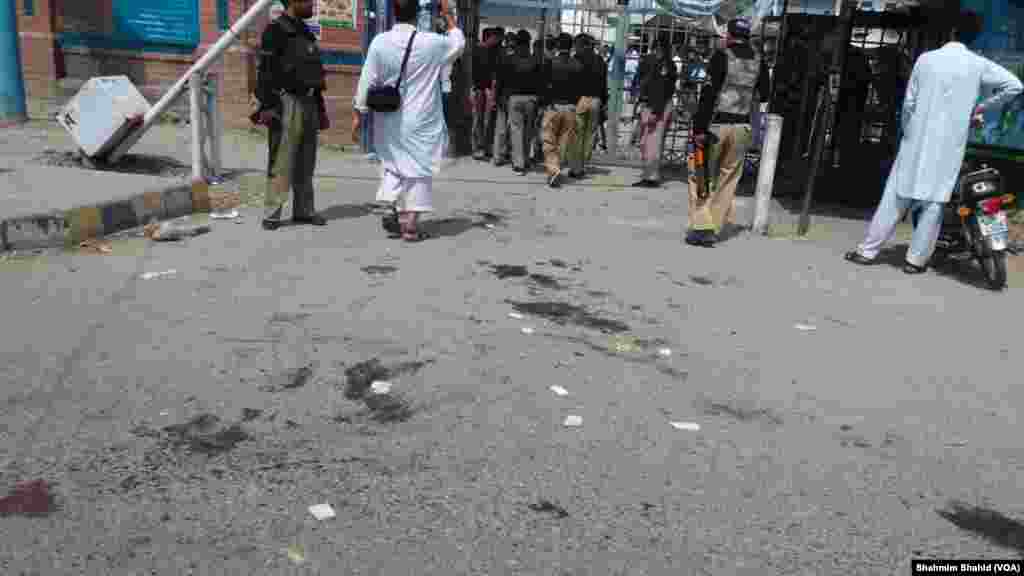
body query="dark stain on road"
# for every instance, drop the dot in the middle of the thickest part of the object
(701, 280)
(491, 218)
(989, 524)
(546, 281)
(563, 313)
(289, 317)
(549, 507)
(503, 271)
(374, 270)
(731, 410)
(388, 408)
(361, 376)
(206, 433)
(250, 414)
(31, 499)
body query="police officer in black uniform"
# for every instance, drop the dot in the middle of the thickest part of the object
(289, 100)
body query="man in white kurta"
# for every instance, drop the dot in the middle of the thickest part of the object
(411, 141)
(937, 112)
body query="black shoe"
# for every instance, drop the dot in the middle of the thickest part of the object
(500, 163)
(554, 180)
(576, 175)
(313, 220)
(701, 238)
(390, 224)
(909, 268)
(518, 170)
(645, 183)
(858, 258)
(271, 224)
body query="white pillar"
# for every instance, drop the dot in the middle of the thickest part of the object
(215, 127)
(196, 120)
(766, 172)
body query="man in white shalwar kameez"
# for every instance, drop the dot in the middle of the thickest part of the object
(411, 141)
(938, 110)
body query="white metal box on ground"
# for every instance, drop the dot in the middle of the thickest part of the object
(102, 112)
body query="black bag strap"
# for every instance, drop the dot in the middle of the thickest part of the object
(405, 59)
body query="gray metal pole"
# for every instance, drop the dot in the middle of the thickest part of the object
(618, 73)
(196, 119)
(766, 173)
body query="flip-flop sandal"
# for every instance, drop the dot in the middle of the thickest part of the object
(858, 258)
(417, 236)
(909, 268)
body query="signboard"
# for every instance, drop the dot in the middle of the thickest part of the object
(157, 21)
(1002, 41)
(338, 13)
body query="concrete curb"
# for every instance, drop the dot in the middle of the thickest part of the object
(68, 228)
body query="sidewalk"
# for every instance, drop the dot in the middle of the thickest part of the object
(47, 203)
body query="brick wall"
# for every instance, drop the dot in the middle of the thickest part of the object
(53, 75)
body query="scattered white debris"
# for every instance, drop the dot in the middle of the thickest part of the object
(956, 443)
(527, 330)
(153, 275)
(229, 215)
(559, 391)
(489, 226)
(380, 387)
(664, 352)
(573, 420)
(805, 327)
(165, 412)
(515, 315)
(688, 426)
(322, 511)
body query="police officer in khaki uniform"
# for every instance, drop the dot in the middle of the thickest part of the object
(289, 100)
(563, 86)
(737, 73)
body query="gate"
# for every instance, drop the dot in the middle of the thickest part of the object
(861, 147)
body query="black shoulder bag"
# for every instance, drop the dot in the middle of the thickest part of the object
(388, 98)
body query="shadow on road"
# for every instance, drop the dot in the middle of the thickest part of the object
(449, 227)
(346, 211)
(989, 524)
(963, 270)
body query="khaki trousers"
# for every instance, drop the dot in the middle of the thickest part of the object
(559, 130)
(588, 111)
(725, 168)
(292, 158)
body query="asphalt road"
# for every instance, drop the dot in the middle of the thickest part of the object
(841, 410)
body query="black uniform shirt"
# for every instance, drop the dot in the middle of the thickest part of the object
(595, 74)
(563, 80)
(658, 82)
(520, 75)
(269, 79)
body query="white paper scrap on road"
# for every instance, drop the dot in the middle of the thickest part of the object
(688, 426)
(153, 275)
(527, 330)
(573, 420)
(515, 315)
(558, 390)
(805, 327)
(664, 352)
(380, 387)
(322, 511)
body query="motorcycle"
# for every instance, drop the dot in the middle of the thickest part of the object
(975, 222)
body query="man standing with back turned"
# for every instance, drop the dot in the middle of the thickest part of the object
(737, 75)
(289, 100)
(562, 89)
(411, 140)
(937, 113)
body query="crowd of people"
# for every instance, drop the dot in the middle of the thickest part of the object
(544, 100)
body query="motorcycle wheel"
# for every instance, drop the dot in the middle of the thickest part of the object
(994, 266)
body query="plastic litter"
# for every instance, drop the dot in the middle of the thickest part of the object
(527, 330)
(688, 426)
(154, 275)
(296, 554)
(515, 315)
(322, 511)
(96, 246)
(226, 215)
(805, 327)
(380, 387)
(573, 420)
(559, 391)
(664, 352)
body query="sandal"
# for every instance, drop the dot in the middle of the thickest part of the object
(909, 268)
(409, 231)
(858, 258)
